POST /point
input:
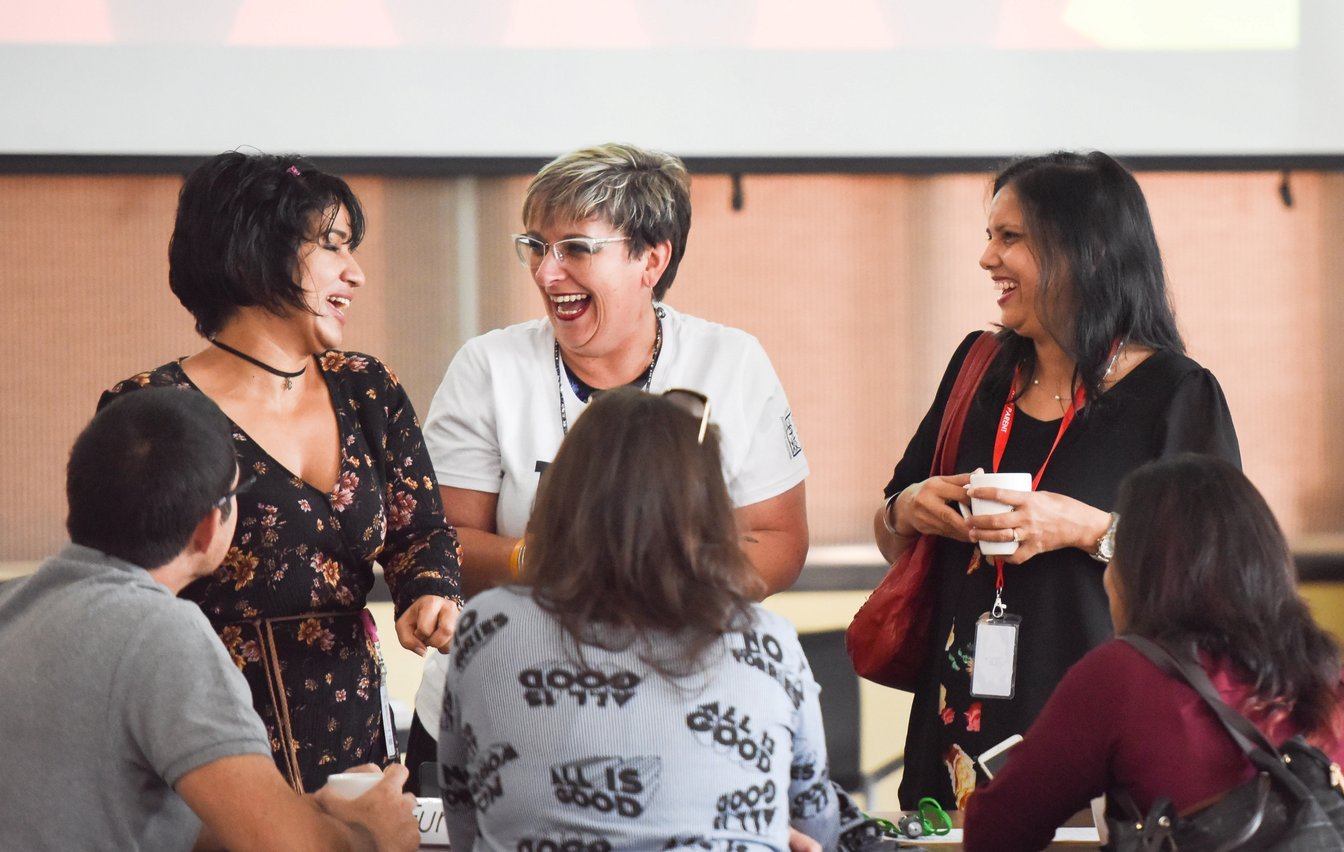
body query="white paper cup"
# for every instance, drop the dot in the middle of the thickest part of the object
(980, 506)
(352, 785)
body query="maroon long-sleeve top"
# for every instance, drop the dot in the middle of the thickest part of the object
(1116, 720)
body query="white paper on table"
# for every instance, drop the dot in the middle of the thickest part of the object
(429, 814)
(1077, 834)
(1067, 834)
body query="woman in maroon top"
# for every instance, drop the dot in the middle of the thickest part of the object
(1199, 560)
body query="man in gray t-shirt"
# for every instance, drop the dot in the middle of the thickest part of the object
(126, 724)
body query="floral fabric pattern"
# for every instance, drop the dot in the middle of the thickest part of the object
(301, 567)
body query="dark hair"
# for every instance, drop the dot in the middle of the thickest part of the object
(241, 221)
(645, 194)
(633, 532)
(1199, 558)
(145, 471)
(1102, 277)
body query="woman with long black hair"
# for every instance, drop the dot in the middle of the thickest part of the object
(1090, 380)
(1202, 567)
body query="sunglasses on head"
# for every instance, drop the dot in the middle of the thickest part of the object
(694, 403)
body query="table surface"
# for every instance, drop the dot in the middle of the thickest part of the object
(1078, 832)
(1078, 824)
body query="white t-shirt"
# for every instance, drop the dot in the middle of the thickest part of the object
(494, 423)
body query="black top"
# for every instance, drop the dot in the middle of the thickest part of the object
(1167, 404)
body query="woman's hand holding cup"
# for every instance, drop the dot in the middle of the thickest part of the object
(1033, 522)
(996, 494)
(922, 508)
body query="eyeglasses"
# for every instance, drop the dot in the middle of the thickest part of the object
(693, 403)
(223, 502)
(571, 252)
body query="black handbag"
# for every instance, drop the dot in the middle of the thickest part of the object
(1295, 802)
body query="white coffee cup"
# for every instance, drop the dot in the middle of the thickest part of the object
(981, 506)
(352, 785)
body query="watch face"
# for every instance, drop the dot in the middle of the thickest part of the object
(1106, 544)
(1106, 547)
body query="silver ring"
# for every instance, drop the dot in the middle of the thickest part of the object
(1016, 536)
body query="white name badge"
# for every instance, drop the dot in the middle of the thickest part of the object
(994, 672)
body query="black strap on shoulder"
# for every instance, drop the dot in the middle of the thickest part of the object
(1257, 748)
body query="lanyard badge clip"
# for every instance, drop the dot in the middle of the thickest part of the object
(994, 665)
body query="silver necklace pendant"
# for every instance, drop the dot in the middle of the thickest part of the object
(1057, 397)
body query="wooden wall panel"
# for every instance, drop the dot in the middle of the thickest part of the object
(859, 287)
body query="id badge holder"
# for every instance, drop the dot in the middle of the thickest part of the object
(389, 724)
(994, 672)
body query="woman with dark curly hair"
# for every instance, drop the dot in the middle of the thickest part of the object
(262, 257)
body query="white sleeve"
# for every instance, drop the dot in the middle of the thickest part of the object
(460, 432)
(774, 461)
(429, 696)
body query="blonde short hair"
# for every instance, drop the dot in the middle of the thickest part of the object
(644, 194)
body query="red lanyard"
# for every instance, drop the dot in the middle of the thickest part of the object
(1006, 429)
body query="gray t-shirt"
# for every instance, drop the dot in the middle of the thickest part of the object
(539, 751)
(111, 690)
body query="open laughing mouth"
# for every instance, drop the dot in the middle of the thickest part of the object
(1004, 287)
(340, 303)
(568, 306)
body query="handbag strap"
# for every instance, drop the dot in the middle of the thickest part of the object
(972, 371)
(1253, 743)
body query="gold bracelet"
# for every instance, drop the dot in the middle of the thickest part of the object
(516, 559)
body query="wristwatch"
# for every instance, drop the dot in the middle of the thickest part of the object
(1106, 544)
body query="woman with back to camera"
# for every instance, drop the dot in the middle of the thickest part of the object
(262, 257)
(1199, 564)
(605, 232)
(1089, 381)
(630, 694)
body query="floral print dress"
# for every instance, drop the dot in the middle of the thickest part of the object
(288, 600)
